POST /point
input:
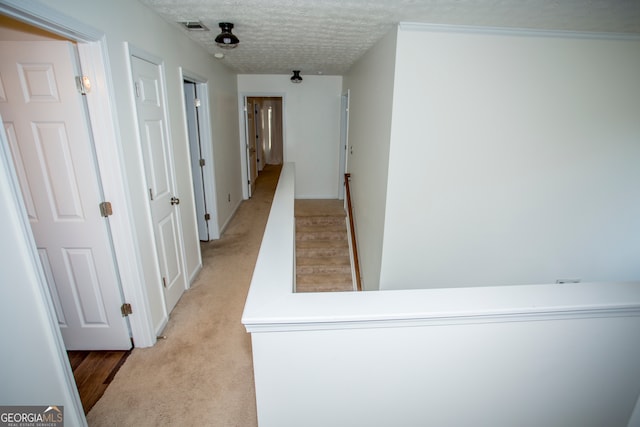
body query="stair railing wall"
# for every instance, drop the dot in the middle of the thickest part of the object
(573, 346)
(352, 229)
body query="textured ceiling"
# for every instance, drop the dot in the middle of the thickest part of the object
(328, 36)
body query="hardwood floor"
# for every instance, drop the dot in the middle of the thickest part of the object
(93, 371)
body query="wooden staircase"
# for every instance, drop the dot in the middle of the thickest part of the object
(323, 263)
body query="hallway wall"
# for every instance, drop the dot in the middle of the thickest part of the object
(514, 159)
(126, 22)
(371, 81)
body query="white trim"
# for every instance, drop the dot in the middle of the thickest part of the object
(455, 319)
(244, 172)
(109, 155)
(41, 16)
(343, 154)
(94, 60)
(418, 26)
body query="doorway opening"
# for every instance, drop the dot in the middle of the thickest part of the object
(265, 135)
(200, 148)
(54, 153)
(147, 72)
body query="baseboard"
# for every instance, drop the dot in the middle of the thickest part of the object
(230, 217)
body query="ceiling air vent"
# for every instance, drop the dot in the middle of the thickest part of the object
(194, 26)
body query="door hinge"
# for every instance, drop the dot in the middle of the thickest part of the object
(83, 84)
(105, 209)
(151, 194)
(202, 162)
(196, 102)
(207, 217)
(136, 87)
(126, 309)
(249, 181)
(164, 282)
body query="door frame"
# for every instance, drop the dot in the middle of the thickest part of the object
(102, 116)
(344, 142)
(251, 127)
(206, 147)
(244, 160)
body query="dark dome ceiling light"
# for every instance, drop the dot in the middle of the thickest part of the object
(296, 77)
(226, 39)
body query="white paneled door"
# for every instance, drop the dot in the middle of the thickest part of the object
(158, 166)
(46, 124)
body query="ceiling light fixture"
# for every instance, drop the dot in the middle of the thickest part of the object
(226, 39)
(296, 77)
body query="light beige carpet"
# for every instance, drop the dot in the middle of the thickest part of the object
(323, 263)
(202, 374)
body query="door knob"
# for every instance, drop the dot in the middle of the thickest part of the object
(175, 201)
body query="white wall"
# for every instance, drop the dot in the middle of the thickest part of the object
(371, 82)
(311, 127)
(514, 159)
(34, 368)
(131, 22)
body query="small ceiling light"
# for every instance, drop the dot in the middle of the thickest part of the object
(219, 55)
(296, 77)
(226, 39)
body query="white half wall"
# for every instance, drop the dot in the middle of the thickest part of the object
(557, 373)
(371, 82)
(311, 127)
(514, 159)
(502, 356)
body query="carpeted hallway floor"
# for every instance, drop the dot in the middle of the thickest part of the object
(202, 373)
